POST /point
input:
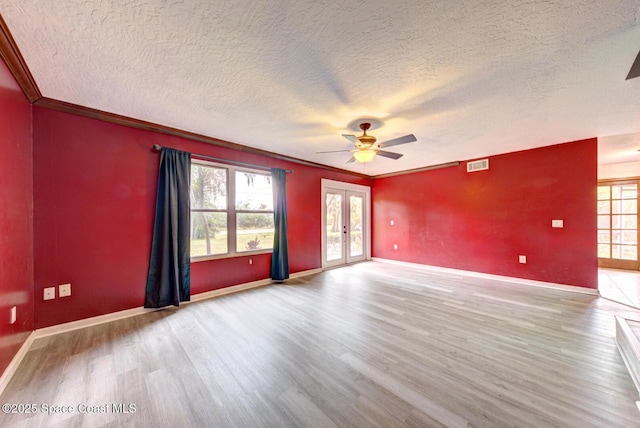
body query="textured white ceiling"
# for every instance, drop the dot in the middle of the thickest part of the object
(469, 78)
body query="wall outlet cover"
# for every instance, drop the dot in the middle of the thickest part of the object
(49, 293)
(64, 290)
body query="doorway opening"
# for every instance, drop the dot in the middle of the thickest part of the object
(618, 224)
(618, 227)
(346, 224)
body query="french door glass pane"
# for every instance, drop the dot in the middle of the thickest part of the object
(616, 221)
(629, 252)
(630, 206)
(603, 222)
(355, 220)
(621, 221)
(334, 226)
(616, 236)
(629, 222)
(625, 191)
(604, 193)
(615, 192)
(604, 237)
(604, 251)
(630, 237)
(622, 206)
(616, 252)
(624, 252)
(603, 207)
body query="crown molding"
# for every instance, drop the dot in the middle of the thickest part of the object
(117, 119)
(15, 62)
(415, 170)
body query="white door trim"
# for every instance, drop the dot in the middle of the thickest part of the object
(339, 185)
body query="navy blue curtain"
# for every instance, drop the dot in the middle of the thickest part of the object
(280, 256)
(168, 281)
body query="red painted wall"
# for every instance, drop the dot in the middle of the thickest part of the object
(483, 221)
(94, 193)
(16, 217)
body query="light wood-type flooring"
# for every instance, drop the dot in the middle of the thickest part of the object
(368, 345)
(621, 286)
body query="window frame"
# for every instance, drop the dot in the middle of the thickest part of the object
(231, 211)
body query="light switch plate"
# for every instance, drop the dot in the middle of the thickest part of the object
(49, 293)
(557, 224)
(522, 259)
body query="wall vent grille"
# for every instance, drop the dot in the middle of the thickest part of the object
(478, 165)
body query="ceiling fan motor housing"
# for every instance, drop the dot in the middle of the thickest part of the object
(365, 141)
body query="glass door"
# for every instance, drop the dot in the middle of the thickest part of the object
(344, 227)
(618, 224)
(334, 228)
(355, 245)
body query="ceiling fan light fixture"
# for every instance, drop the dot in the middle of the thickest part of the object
(366, 146)
(364, 155)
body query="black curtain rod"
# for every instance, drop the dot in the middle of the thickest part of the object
(227, 161)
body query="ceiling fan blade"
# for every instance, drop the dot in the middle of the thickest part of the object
(389, 155)
(353, 159)
(336, 151)
(350, 137)
(400, 140)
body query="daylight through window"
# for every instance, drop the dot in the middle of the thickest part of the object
(231, 210)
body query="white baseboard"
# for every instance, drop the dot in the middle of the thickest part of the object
(306, 272)
(228, 290)
(88, 322)
(15, 362)
(101, 319)
(522, 281)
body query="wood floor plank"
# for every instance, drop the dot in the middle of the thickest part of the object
(369, 345)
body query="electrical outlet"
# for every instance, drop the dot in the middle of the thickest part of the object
(250, 261)
(522, 259)
(392, 222)
(49, 293)
(13, 315)
(395, 246)
(64, 290)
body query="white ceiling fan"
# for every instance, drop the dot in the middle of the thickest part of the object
(366, 147)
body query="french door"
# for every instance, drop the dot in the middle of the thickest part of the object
(618, 224)
(345, 226)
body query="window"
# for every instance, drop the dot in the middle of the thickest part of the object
(231, 210)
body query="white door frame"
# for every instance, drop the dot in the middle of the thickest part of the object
(327, 184)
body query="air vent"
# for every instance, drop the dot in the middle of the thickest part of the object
(478, 165)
